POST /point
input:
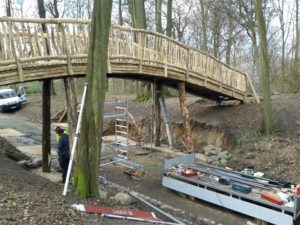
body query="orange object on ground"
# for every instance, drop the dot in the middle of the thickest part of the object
(298, 190)
(190, 174)
(120, 212)
(271, 198)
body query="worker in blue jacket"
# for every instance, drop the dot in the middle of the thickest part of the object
(63, 152)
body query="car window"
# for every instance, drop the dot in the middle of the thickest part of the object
(7, 94)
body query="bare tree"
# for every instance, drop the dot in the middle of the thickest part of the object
(158, 25)
(69, 83)
(46, 103)
(8, 8)
(169, 18)
(204, 20)
(52, 7)
(297, 31)
(264, 68)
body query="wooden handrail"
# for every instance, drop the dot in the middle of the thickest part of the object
(70, 37)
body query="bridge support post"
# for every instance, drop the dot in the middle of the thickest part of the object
(46, 136)
(157, 117)
(185, 116)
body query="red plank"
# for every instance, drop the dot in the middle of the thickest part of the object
(271, 198)
(120, 212)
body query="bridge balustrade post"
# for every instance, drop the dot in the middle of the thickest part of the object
(14, 52)
(188, 64)
(165, 55)
(66, 49)
(140, 51)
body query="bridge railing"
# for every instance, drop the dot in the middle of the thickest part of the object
(156, 48)
(24, 42)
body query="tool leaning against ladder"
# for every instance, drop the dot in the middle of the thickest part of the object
(75, 141)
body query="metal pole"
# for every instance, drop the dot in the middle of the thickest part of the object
(155, 208)
(75, 141)
(105, 215)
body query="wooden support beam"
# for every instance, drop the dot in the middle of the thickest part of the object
(46, 136)
(157, 117)
(185, 116)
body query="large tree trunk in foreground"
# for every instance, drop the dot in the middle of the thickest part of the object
(264, 69)
(87, 169)
(185, 117)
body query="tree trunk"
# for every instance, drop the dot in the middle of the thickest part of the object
(139, 21)
(169, 18)
(216, 31)
(203, 26)
(297, 33)
(86, 173)
(264, 69)
(46, 106)
(230, 38)
(120, 13)
(157, 88)
(69, 91)
(71, 107)
(185, 117)
(8, 8)
(138, 14)
(158, 25)
(157, 117)
(282, 28)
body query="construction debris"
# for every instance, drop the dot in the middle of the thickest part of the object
(133, 174)
(122, 198)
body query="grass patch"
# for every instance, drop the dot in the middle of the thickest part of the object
(34, 87)
(246, 136)
(249, 136)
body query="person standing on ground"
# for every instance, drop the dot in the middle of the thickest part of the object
(63, 152)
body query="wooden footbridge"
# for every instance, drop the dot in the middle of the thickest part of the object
(38, 49)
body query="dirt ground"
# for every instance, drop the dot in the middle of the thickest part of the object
(27, 199)
(238, 125)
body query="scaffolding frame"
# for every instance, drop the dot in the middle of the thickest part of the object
(121, 137)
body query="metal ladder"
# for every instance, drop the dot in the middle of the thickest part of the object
(122, 131)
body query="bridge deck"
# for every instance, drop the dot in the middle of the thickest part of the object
(37, 49)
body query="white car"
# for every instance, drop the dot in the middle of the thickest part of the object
(10, 100)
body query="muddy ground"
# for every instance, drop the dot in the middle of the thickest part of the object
(233, 127)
